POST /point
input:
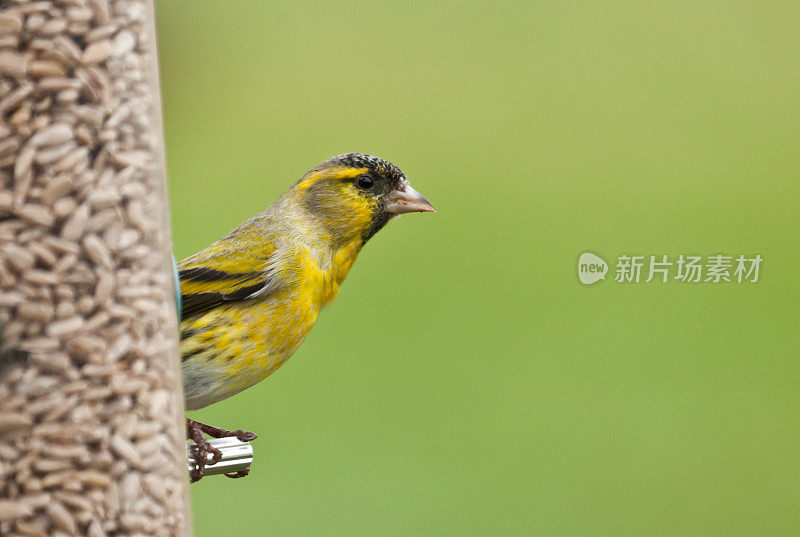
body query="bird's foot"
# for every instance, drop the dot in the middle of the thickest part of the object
(202, 447)
(240, 473)
(217, 432)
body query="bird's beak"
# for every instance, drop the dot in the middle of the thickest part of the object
(407, 200)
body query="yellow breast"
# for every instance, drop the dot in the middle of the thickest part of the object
(321, 280)
(235, 346)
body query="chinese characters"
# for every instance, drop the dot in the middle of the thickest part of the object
(688, 268)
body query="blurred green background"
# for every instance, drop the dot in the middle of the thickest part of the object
(465, 382)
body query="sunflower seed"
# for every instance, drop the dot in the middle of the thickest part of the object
(13, 64)
(97, 52)
(54, 134)
(13, 510)
(61, 517)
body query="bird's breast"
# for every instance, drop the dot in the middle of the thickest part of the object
(232, 347)
(321, 275)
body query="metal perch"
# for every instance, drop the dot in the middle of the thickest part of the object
(236, 456)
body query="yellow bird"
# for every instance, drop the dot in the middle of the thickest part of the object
(251, 298)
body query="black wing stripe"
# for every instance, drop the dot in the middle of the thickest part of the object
(244, 292)
(196, 303)
(207, 274)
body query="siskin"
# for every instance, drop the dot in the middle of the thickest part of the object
(251, 298)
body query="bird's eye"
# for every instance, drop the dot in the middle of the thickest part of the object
(365, 182)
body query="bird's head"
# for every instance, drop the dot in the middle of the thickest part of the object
(354, 195)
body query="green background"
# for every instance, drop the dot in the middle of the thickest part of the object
(465, 382)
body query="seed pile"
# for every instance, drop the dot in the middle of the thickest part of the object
(91, 436)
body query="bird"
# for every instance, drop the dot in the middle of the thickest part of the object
(250, 298)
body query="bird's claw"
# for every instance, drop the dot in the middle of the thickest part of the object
(200, 452)
(202, 448)
(240, 473)
(244, 436)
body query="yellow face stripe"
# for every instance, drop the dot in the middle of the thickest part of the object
(332, 173)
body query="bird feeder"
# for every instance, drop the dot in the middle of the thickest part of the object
(92, 438)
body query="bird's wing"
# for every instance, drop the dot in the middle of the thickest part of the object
(225, 272)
